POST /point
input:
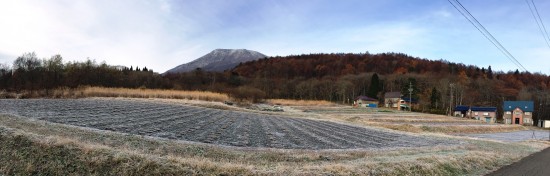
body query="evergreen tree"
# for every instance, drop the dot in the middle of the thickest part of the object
(374, 87)
(405, 88)
(489, 73)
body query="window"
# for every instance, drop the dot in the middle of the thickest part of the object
(485, 113)
(475, 113)
(517, 112)
(527, 113)
(508, 112)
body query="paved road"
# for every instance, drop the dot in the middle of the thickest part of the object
(515, 136)
(534, 164)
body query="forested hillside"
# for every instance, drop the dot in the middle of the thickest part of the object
(342, 77)
(333, 77)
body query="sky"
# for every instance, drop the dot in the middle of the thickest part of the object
(161, 34)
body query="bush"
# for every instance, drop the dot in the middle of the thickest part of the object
(247, 93)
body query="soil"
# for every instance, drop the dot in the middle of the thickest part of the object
(207, 125)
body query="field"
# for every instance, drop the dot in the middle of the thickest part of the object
(410, 122)
(208, 125)
(119, 136)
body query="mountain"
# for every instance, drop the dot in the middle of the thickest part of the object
(219, 60)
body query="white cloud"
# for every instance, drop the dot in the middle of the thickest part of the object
(161, 34)
(119, 32)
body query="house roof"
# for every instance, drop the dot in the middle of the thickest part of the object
(365, 98)
(526, 106)
(406, 99)
(462, 108)
(392, 95)
(484, 109)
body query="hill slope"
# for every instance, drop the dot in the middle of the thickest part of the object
(219, 60)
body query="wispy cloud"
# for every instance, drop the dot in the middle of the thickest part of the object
(161, 34)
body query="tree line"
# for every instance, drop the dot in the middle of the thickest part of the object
(336, 77)
(28, 72)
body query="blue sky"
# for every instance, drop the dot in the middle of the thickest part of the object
(162, 34)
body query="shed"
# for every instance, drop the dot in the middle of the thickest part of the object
(544, 123)
(364, 101)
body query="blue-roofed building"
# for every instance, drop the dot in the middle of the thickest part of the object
(461, 111)
(518, 112)
(364, 101)
(486, 114)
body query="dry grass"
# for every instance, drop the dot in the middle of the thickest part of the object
(153, 93)
(287, 102)
(84, 92)
(405, 121)
(30, 147)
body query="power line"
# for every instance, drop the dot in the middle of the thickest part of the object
(458, 6)
(504, 50)
(539, 21)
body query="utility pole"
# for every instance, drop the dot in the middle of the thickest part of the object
(451, 100)
(410, 96)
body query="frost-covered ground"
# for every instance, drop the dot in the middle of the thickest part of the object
(207, 125)
(516, 136)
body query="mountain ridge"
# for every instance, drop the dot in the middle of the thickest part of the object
(219, 60)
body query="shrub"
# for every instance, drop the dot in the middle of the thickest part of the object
(247, 93)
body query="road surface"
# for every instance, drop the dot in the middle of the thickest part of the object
(534, 164)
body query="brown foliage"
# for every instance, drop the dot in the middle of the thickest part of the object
(247, 93)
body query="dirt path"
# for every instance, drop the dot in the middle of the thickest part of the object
(534, 164)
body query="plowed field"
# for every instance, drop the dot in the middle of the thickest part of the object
(205, 125)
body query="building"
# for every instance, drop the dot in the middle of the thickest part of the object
(518, 112)
(364, 101)
(544, 123)
(407, 103)
(393, 100)
(486, 114)
(461, 111)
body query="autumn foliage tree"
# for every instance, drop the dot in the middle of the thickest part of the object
(336, 77)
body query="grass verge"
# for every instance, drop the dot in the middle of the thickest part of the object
(37, 147)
